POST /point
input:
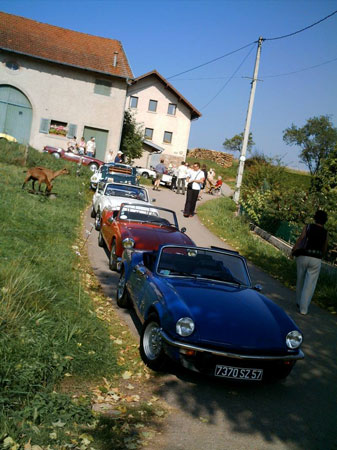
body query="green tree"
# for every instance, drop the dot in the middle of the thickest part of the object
(317, 138)
(132, 137)
(234, 144)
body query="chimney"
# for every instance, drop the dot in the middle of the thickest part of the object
(115, 59)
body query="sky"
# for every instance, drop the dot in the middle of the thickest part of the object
(173, 36)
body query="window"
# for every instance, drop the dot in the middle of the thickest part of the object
(133, 102)
(168, 137)
(172, 109)
(55, 127)
(103, 87)
(148, 133)
(153, 105)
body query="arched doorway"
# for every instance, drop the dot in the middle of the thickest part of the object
(15, 113)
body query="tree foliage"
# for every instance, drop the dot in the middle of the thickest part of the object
(317, 138)
(234, 144)
(132, 138)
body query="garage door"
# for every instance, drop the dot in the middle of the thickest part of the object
(101, 138)
(15, 113)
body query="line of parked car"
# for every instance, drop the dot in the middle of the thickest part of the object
(197, 306)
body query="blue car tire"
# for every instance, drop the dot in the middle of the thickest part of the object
(151, 345)
(123, 300)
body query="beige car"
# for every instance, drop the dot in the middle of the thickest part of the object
(7, 137)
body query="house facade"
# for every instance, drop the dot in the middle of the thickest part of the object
(57, 83)
(165, 115)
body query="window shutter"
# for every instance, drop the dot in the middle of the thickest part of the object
(72, 130)
(44, 126)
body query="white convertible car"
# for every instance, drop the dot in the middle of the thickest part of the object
(146, 173)
(112, 195)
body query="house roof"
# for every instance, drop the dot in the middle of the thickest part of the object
(63, 46)
(195, 113)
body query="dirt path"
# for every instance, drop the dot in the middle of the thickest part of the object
(299, 413)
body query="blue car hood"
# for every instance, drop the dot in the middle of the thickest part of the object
(236, 317)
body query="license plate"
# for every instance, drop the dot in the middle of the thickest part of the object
(238, 373)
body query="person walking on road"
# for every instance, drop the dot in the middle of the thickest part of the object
(182, 172)
(308, 251)
(195, 180)
(160, 169)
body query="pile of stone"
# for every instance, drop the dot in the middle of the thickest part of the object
(223, 159)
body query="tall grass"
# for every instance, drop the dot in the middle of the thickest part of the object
(48, 324)
(219, 216)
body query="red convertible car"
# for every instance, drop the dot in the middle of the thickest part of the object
(142, 227)
(93, 163)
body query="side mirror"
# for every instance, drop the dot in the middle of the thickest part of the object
(183, 230)
(153, 200)
(258, 287)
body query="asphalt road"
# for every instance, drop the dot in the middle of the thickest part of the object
(298, 413)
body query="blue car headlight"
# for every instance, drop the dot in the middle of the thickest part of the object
(294, 339)
(185, 326)
(128, 243)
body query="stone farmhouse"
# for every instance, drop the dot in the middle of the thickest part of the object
(57, 83)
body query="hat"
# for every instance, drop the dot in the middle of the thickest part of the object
(119, 153)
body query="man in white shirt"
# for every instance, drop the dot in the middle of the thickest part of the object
(195, 180)
(182, 173)
(91, 147)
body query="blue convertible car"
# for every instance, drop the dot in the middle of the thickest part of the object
(198, 307)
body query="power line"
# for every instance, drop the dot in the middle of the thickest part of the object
(262, 76)
(229, 80)
(300, 70)
(212, 60)
(303, 29)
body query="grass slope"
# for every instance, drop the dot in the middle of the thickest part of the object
(60, 337)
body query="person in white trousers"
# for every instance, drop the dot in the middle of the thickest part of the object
(309, 250)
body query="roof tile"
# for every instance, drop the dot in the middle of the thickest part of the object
(61, 45)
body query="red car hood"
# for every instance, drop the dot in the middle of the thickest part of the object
(150, 236)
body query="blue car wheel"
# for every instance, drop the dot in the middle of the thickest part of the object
(151, 344)
(123, 300)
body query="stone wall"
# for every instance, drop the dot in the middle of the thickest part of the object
(223, 159)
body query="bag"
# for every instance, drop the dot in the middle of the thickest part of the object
(302, 245)
(189, 185)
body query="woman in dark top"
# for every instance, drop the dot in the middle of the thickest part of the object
(309, 258)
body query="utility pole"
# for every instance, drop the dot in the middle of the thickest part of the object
(247, 125)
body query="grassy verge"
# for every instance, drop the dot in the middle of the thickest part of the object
(62, 346)
(219, 216)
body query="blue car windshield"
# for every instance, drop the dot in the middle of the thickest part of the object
(203, 263)
(127, 191)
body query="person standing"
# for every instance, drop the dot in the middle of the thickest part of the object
(174, 171)
(160, 169)
(91, 147)
(195, 180)
(182, 172)
(204, 170)
(308, 251)
(119, 157)
(82, 146)
(210, 181)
